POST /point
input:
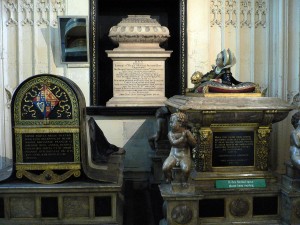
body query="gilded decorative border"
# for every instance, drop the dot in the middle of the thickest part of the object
(48, 166)
(45, 79)
(203, 153)
(182, 36)
(93, 60)
(19, 149)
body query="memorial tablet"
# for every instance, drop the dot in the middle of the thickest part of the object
(138, 62)
(47, 126)
(233, 149)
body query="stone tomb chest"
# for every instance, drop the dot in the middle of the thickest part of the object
(232, 181)
(48, 129)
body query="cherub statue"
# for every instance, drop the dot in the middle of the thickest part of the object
(181, 140)
(220, 78)
(295, 141)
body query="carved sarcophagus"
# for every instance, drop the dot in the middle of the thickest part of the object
(233, 132)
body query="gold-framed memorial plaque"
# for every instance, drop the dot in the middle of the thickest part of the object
(47, 116)
(233, 146)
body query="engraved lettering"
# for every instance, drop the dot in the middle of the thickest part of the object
(48, 147)
(139, 78)
(233, 149)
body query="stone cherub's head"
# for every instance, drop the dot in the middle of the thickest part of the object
(295, 120)
(196, 77)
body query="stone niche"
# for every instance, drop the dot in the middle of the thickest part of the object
(138, 62)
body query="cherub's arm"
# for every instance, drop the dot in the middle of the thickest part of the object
(173, 140)
(295, 139)
(190, 138)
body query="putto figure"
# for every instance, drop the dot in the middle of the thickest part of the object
(181, 140)
(295, 141)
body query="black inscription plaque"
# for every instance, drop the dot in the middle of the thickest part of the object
(47, 147)
(233, 149)
(48, 124)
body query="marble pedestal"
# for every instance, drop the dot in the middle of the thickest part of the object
(138, 77)
(138, 62)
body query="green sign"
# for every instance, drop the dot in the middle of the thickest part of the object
(248, 183)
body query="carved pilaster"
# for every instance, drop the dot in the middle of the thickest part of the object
(204, 154)
(262, 148)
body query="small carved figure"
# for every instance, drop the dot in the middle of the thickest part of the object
(181, 140)
(162, 127)
(221, 72)
(220, 78)
(196, 80)
(295, 141)
(100, 147)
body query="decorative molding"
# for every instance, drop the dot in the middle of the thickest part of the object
(139, 29)
(93, 17)
(12, 11)
(262, 148)
(239, 207)
(203, 154)
(27, 10)
(260, 13)
(230, 13)
(245, 14)
(43, 11)
(183, 60)
(58, 8)
(9, 92)
(216, 11)
(182, 214)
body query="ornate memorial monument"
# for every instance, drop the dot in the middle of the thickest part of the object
(231, 178)
(57, 177)
(231, 181)
(291, 180)
(138, 62)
